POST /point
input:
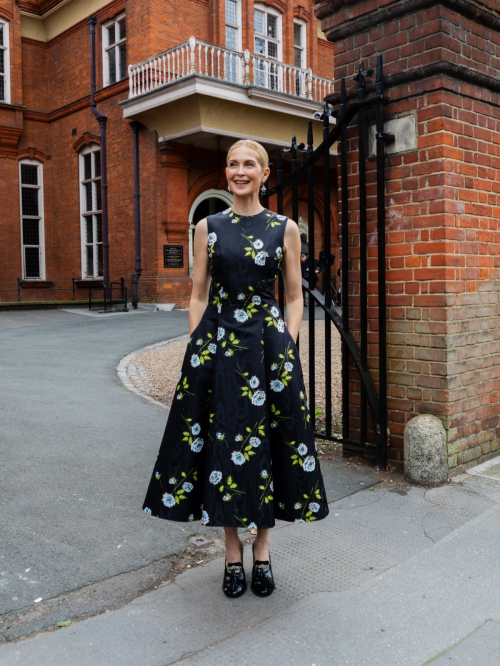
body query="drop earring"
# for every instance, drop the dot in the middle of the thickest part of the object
(228, 189)
(262, 190)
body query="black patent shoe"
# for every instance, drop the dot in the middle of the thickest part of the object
(262, 577)
(234, 583)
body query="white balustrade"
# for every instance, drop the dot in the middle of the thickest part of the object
(196, 57)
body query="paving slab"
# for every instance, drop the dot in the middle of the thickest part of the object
(489, 469)
(369, 566)
(482, 646)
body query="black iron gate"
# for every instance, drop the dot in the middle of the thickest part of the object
(350, 131)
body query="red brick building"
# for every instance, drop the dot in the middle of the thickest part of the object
(196, 75)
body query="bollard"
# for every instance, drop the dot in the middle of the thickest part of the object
(426, 462)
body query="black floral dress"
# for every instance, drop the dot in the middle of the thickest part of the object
(238, 448)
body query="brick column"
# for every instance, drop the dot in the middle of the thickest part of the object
(174, 284)
(443, 207)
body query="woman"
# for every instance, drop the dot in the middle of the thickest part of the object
(238, 448)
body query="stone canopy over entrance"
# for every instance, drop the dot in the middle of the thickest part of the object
(443, 208)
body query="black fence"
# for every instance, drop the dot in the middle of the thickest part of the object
(340, 308)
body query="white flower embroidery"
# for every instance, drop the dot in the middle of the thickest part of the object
(215, 477)
(237, 457)
(168, 500)
(240, 315)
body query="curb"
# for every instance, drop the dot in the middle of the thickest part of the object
(122, 369)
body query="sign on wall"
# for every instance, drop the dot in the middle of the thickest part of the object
(173, 256)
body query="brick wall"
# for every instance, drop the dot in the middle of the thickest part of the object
(442, 210)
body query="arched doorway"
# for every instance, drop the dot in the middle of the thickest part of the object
(208, 203)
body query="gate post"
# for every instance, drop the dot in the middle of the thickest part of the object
(442, 207)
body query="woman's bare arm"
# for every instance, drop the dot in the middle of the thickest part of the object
(201, 275)
(292, 278)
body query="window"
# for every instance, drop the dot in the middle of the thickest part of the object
(114, 51)
(299, 44)
(233, 38)
(267, 28)
(32, 227)
(299, 55)
(91, 212)
(4, 62)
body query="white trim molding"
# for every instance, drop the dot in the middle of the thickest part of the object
(90, 187)
(203, 85)
(37, 241)
(5, 48)
(116, 49)
(226, 197)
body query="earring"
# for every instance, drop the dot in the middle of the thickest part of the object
(228, 189)
(263, 189)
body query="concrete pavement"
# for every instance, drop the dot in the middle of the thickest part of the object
(390, 578)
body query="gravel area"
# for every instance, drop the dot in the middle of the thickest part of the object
(155, 371)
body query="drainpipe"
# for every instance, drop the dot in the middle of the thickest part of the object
(137, 216)
(104, 173)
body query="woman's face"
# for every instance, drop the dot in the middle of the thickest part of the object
(244, 172)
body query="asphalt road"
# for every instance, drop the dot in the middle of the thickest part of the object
(77, 452)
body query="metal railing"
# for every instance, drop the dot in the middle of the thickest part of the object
(241, 68)
(77, 284)
(351, 318)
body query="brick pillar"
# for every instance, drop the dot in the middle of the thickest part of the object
(174, 284)
(443, 207)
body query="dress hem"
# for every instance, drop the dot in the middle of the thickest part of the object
(243, 527)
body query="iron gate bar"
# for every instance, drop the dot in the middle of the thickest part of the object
(327, 275)
(382, 139)
(363, 298)
(279, 175)
(312, 283)
(345, 266)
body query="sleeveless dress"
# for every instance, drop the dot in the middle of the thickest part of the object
(238, 448)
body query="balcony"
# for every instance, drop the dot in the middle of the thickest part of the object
(243, 69)
(196, 91)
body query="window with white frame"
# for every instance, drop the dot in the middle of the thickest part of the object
(233, 38)
(32, 223)
(4, 62)
(267, 43)
(91, 211)
(299, 55)
(114, 46)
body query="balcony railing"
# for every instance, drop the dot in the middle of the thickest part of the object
(247, 69)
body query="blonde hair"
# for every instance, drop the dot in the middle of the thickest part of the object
(254, 145)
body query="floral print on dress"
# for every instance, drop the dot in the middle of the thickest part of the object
(238, 448)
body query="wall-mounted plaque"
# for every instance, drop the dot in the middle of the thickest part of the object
(173, 256)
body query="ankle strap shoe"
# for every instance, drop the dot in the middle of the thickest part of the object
(234, 583)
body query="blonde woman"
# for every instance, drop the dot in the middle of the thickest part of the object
(238, 449)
